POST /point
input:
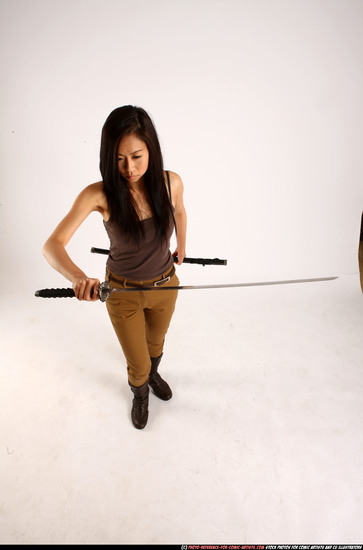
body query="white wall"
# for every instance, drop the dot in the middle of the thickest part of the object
(258, 105)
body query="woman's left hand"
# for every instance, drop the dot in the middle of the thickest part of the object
(180, 254)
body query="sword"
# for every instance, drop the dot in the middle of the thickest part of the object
(104, 289)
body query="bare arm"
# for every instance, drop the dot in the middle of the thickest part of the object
(177, 191)
(89, 200)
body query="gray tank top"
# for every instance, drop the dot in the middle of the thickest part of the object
(139, 263)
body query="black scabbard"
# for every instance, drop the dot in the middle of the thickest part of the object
(200, 261)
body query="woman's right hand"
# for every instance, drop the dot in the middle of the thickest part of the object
(86, 289)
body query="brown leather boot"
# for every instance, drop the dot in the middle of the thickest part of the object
(140, 406)
(158, 385)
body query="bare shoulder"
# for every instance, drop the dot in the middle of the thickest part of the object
(175, 183)
(94, 192)
(94, 195)
(177, 191)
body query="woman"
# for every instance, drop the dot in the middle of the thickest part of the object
(140, 204)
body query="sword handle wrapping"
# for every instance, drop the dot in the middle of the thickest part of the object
(104, 292)
(55, 293)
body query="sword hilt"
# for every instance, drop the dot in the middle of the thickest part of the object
(55, 293)
(104, 291)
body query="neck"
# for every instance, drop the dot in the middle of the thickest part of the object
(137, 187)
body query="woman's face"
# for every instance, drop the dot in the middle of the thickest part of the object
(133, 158)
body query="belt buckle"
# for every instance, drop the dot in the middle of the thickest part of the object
(162, 281)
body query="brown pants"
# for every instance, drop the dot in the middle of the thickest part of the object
(141, 320)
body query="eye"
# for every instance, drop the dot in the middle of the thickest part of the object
(138, 157)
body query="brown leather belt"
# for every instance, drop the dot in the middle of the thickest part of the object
(158, 282)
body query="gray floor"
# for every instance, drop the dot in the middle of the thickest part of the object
(261, 443)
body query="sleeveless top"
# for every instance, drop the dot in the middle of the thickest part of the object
(140, 262)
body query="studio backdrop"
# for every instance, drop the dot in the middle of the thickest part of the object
(257, 103)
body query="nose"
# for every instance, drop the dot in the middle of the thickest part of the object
(129, 167)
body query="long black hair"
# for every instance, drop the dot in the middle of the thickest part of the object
(122, 122)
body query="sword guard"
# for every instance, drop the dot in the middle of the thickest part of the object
(104, 291)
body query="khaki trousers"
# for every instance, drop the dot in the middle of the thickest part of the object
(141, 321)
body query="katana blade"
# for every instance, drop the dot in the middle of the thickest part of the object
(104, 290)
(105, 287)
